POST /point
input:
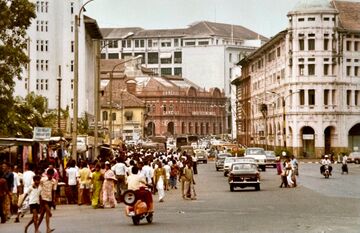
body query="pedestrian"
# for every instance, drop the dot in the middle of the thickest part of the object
(167, 172)
(160, 177)
(48, 188)
(194, 164)
(33, 194)
(97, 180)
(9, 177)
(109, 186)
(15, 190)
(278, 165)
(84, 184)
(120, 173)
(72, 174)
(189, 190)
(344, 166)
(295, 165)
(173, 174)
(289, 173)
(3, 193)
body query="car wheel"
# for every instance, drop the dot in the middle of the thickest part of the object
(257, 187)
(149, 218)
(136, 220)
(231, 188)
(225, 174)
(205, 161)
(129, 197)
(263, 168)
(217, 169)
(274, 166)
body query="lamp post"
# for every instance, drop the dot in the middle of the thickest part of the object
(110, 93)
(76, 79)
(283, 103)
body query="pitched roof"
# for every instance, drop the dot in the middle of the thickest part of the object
(349, 14)
(202, 28)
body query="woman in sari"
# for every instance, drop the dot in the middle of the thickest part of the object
(108, 186)
(160, 177)
(97, 180)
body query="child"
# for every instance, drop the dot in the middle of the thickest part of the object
(34, 202)
(48, 188)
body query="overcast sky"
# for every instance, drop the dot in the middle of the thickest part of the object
(266, 17)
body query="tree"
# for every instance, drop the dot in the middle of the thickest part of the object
(15, 18)
(29, 112)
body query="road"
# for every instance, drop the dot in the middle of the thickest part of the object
(317, 205)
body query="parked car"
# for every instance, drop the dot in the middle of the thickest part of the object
(201, 155)
(219, 160)
(258, 154)
(244, 173)
(270, 158)
(354, 157)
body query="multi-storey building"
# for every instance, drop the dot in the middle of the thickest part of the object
(301, 89)
(173, 105)
(51, 53)
(205, 53)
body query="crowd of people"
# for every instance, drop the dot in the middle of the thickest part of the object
(100, 183)
(288, 171)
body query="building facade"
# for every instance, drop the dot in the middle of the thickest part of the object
(304, 83)
(173, 105)
(205, 52)
(50, 72)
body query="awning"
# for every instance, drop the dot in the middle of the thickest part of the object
(165, 55)
(128, 114)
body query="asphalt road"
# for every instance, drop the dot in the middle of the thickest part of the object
(317, 205)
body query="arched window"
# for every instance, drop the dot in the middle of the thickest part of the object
(105, 115)
(164, 107)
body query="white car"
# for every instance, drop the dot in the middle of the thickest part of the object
(228, 162)
(259, 155)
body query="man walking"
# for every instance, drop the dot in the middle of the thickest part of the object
(120, 172)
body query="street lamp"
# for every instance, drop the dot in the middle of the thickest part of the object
(76, 79)
(283, 98)
(110, 94)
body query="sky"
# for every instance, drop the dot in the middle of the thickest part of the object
(266, 17)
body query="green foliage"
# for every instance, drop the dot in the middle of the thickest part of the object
(27, 113)
(278, 152)
(83, 124)
(15, 18)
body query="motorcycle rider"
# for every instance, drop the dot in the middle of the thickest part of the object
(325, 161)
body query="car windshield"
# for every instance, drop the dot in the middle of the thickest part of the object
(222, 156)
(229, 160)
(255, 151)
(244, 166)
(270, 153)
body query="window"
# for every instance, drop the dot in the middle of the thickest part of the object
(46, 84)
(166, 60)
(326, 69)
(37, 84)
(326, 44)
(311, 19)
(348, 45)
(164, 107)
(301, 19)
(190, 43)
(105, 116)
(356, 45)
(114, 116)
(46, 65)
(203, 42)
(137, 43)
(149, 43)
(356, 98)
(348, 97)
(301, 44)
(166, 44)
(153, 58)
(72, 8)
(72, 46)
(356, 71)
(126, 43)
(177, 57)
(178, 71)
(302, 97)
(278, 52)
(176, 42)
(301, 69)
(46, 45)
(113, 56)
(311, 69)
(311, 44)
(46, 26)
(46, 7)
(72, 66)
(348, 70)
(72, 84)
(326, 97)
(165, 71)
(311, 97)
(230, 57)
(326, 19)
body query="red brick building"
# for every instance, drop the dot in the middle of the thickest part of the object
(174, 105)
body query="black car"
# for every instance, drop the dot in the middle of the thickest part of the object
(244, 174)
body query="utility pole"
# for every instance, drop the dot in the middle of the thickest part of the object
(59, 100)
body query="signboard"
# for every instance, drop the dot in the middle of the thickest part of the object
(42, 133)
(308, 136)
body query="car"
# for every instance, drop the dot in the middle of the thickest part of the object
(258, 154)
(201, 155)
(244, 173)
(354, 157)
(219, 160)
(188, 149)
(228, 162)
(270, 158)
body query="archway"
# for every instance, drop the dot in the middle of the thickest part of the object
(328, 134)
(214, 128)
(183, 128)
(196, 128)
(190, 128)
(171, 128)
(151, 129)
(202, 127)
(308, 141)
(207, 128)
(354, 137)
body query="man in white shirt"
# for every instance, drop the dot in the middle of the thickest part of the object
(72, 174)
(325, 161)
(136, 179)
(120, 173)
(167, 172)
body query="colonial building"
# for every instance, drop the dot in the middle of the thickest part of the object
(50, 72)
(173, 104)
(300, 90)
(205, 53)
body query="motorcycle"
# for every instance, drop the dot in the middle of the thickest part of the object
(326, 172)
(139, 205)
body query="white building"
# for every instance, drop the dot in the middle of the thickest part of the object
(205, 53)
(314, 67)
(51, 53)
